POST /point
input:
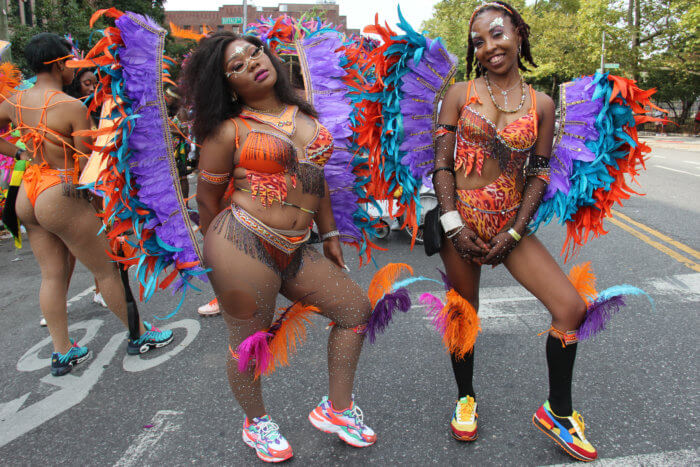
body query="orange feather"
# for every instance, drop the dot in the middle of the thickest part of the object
(583, 280)
(10, 77)
(182, 33)
(292, 333)
(384, 279)
(461, 324)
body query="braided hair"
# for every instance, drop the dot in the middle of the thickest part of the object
(522, 28)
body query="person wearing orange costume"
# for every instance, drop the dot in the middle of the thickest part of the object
(487, 198)
(59, 219)
(265, 144)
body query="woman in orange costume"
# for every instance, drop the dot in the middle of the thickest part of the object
(60, 221)
(487, 200)
(264, 142)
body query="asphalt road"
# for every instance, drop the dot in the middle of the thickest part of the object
(636, 384)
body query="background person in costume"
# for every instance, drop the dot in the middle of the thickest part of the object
(487, 201)
(59, 221)
(264, 142)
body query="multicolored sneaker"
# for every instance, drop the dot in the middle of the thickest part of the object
(263, 435)
(210, 309)
(62, 364)
(567, 432)
(347, 424)
(152, 338)
(463, 425)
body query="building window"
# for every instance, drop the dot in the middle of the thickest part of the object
(283, 7)
(220, 27)
(201, 29)
(186, 26)
(236, 29)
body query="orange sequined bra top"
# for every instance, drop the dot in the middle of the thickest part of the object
(268, 156)
(478, 137)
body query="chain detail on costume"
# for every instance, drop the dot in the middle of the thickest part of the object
(312, 179)
(538, 166)
(280, 253)
(566, 337)
(214, 178)
(286, 203)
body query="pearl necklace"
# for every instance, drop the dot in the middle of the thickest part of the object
(493, 99)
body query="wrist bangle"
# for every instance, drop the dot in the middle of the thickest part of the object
(451, 220)
(513, 233)
(454, 234)
(331, 234)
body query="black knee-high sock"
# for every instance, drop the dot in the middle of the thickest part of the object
(560, 361)
(464, 371)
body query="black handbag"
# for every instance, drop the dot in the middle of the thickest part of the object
(432, 232)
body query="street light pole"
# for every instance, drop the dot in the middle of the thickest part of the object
(245, 15)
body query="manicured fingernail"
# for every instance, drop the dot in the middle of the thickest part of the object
(345, 266)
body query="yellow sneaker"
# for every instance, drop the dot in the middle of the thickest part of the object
(567, 432)
(463, 423)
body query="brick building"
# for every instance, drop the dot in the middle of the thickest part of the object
(230, 17)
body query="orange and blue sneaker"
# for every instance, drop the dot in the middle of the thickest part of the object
(153, 338)
(262, 434)
(347, 424)
(463, 423)
(567, 432)
(63, 363)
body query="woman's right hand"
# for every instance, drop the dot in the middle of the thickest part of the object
(469, 245)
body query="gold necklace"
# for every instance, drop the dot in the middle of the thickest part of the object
(283, 121)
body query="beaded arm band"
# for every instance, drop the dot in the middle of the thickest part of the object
(331, 234)
(538, 166)
(214, 178)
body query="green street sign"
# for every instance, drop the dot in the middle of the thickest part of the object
(612, 65)
(232, 20)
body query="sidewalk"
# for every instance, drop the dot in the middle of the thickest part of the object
(687, 143)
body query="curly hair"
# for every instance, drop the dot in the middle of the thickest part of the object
(520, 26)
(73, 89)
(204, 88)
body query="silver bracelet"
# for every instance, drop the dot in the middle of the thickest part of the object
(331, 234)
(454, 234)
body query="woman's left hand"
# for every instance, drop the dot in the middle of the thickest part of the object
(333, 251)
(501, 246)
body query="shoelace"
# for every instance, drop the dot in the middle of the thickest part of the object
(466, 409)
(578, 419)
(356, 414)
(269, 430)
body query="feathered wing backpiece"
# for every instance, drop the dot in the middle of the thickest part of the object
(595, 147)
(12, 171)
(140, 182)
(411, 73)
(600, 306)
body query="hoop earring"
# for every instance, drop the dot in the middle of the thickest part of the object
(520, 50)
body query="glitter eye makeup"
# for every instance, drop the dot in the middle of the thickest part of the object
(496, 22)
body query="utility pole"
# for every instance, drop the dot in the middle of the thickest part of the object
(602, 56)
(245, 15)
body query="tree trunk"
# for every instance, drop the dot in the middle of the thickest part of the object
(635, 38)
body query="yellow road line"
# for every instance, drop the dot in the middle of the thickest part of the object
(659, 246)
(658, 234)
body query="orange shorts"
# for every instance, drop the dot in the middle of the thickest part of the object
(488, 209)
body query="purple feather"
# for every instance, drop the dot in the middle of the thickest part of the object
(435, 307)
(384, 310)
(597, 316)
(255, 348)
(445, 280)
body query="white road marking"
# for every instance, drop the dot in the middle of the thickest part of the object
(30, 361)
(676, 170)
(135, 363)
(73, 390)
(493, 300)
(656, 156)
(80, 295)
(657, 459)
(162, 423)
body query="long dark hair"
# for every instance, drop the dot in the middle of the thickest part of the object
(204, 88)
(520, 26)
(73, 89)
